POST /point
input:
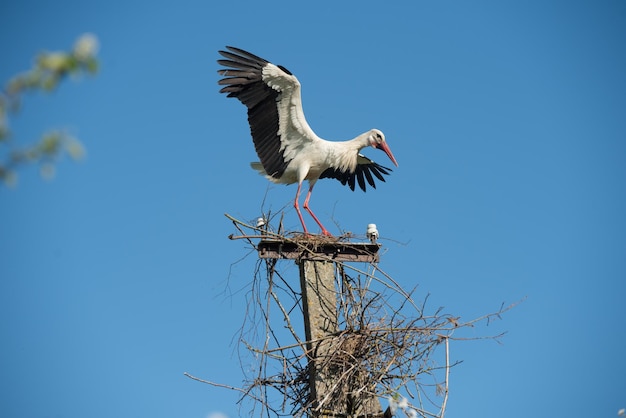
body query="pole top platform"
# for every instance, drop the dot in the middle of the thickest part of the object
(319, 250)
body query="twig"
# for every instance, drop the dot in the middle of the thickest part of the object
(219, 385)
(446, 387)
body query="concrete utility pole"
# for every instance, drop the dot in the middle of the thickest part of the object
(319, 300)
(321, 317)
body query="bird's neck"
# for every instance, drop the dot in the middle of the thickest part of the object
(361, 141)
(346, 153)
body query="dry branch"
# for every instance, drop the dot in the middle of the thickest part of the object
(385, 345)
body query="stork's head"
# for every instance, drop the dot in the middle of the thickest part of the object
(377, 140)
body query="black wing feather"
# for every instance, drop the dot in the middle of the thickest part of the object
(243, 79)
(379, 171)
(370, 180)
(364, 170)
(360, 179)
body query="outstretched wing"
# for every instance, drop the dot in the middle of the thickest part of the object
(364, 170)
(272, 95)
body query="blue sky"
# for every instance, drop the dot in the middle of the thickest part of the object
(508, 122)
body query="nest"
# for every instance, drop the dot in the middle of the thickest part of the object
(375, 343)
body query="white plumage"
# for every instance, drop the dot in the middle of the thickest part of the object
(289, 150)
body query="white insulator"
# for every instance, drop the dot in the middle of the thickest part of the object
(372, 232)
(260, 222)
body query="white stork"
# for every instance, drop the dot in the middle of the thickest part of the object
(289, 150)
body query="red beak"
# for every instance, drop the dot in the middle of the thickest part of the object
(383, 146)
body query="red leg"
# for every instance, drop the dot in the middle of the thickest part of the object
(295, 205)
(306, 206)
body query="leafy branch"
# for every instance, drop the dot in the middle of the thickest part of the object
(49, 69)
